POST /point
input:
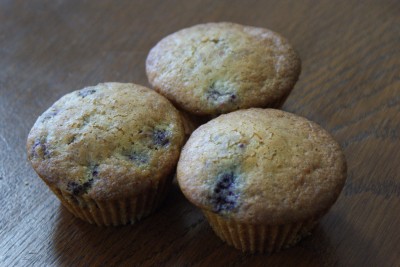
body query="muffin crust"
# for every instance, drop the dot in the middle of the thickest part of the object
(106, 142)
(215, 68)
(261, 166)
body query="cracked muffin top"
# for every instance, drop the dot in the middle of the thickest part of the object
(106, 141)
(262, 166)
(215, 68)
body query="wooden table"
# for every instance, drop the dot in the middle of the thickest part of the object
(349, 84)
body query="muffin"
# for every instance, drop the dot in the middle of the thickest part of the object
(262, 177)
(216, 68)
(108, 152)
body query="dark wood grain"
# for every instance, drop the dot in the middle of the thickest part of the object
(349, 84)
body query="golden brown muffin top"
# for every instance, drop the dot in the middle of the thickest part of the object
(215, 68)
(262, 166)
(107, 141)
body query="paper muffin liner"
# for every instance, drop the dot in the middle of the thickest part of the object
(117, 211)
(259, 238)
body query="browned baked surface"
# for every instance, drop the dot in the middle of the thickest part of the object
(108, 141)
(216, 68)
(262, 167)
